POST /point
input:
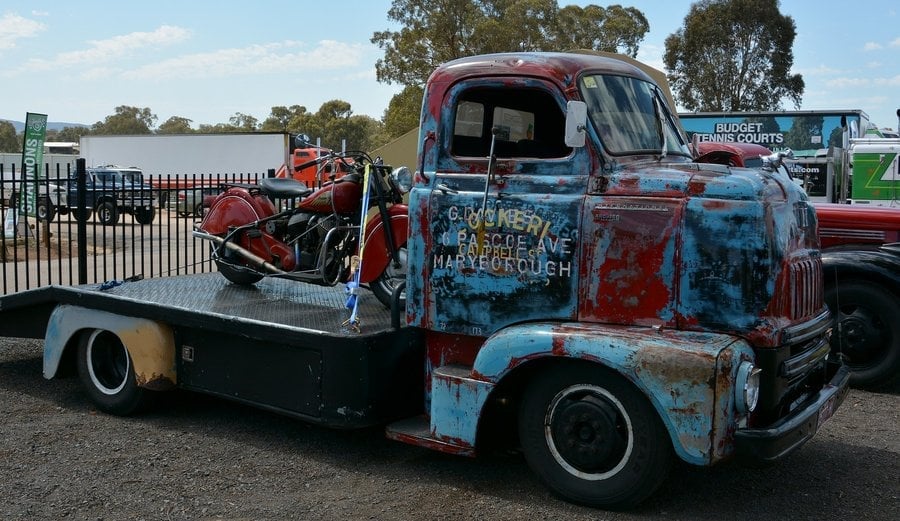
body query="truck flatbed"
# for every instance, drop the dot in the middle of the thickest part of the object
(201, 299)
(290, 334)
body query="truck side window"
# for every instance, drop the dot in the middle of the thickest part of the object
(529, 121)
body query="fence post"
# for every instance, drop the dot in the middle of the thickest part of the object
(81, 222)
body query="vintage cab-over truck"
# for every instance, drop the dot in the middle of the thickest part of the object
(577, 286)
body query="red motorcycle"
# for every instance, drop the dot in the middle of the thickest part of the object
(316, 238)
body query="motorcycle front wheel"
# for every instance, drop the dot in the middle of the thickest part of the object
(390, 278)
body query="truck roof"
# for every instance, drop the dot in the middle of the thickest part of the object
(562, 67)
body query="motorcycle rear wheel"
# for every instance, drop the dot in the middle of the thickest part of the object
(234, 274)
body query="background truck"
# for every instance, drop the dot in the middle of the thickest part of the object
(578, 287)
(111, 191)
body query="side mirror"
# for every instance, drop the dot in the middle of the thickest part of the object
(576, 118)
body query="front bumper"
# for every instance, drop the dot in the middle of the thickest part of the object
(792, 431)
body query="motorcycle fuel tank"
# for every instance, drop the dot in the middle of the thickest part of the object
(342, 196)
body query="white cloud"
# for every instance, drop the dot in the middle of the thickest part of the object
(895, 42)
(848, 83)
(888, 82)
(821, 70)
(874, 65)
(255, 59)
(872, 46)
(105, 50)
(14, 27)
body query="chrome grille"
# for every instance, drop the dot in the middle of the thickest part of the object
(806, 288)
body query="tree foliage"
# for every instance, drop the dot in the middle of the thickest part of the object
(175, 125)
(126, 120)
(403, 111)
(280, 118)
(733, 55)
(436, 31)
(613, 29)
(69, 134)
(9, 140)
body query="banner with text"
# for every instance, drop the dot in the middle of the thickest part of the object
(32, 158)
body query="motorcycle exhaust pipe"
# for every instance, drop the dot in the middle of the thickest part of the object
(243, 252)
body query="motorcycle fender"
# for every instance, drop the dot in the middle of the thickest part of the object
(235, 207)
(376, 253)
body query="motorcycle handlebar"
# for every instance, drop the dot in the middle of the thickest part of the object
(358, 156)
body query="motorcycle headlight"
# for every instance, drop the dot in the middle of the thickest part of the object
(403, 178)
(747, 387)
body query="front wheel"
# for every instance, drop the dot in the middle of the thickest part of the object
(107, 213)
(592, 437)
(866, 332)
(390, 278)
(104, 368)
(45, 211)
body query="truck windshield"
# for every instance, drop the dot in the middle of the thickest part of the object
(625, 114)
(132, 176)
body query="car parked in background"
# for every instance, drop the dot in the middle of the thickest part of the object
(194, 201)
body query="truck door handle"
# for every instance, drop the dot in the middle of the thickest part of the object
(446, 189)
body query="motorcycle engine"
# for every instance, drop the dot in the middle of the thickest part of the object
(307, 232)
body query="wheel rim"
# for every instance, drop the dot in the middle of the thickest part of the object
(107, 363)
(104, 214)
(588, 431)
(862, 336)
(394, 275)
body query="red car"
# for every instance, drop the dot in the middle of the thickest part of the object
(861, 256)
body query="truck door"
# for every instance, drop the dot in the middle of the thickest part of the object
(502, 250)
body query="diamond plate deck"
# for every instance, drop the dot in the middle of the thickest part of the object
(272, 301)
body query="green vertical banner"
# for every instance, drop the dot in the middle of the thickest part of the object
(32, 160)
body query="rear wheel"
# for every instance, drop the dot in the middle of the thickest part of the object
(144, 215)
(82, 215)
(105, 370)
(230, 268)
(198, 210)
(592, 437)
(390, 278)
(866, 332)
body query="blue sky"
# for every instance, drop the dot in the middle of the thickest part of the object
(203, 60)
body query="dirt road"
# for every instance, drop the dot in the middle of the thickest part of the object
(202, 458)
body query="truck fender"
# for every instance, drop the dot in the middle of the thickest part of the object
(687, 377)
(377, 254)
(150, 344)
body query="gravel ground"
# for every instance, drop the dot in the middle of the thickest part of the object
(202, 458)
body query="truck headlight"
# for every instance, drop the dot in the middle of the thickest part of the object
(747, 387)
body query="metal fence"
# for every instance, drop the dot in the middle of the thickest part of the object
(54, 246)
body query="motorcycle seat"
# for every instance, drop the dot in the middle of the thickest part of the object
(283, 188)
